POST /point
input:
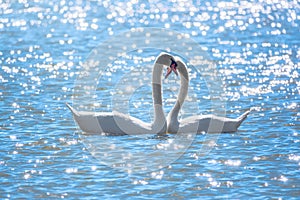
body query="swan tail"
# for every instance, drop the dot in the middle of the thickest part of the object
(241, 118)
(74, 112)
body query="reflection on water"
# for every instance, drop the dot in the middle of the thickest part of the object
(256, 47)
(126, 155)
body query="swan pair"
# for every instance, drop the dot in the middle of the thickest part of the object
(115, 123)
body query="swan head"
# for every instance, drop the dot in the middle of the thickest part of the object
(167, 60)
(164, 59)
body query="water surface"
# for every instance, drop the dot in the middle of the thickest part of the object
(255, 45)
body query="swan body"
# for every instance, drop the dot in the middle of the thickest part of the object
(207, 123)
(116, 123)
(198, 123)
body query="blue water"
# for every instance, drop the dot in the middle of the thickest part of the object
(255, 45)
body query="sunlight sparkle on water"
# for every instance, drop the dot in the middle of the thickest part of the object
(233, 162)
(255, 45)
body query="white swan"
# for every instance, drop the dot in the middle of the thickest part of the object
(115, 123)
(198, 123)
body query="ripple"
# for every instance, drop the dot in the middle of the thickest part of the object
(43, 45)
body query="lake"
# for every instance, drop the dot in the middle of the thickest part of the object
(249, 53)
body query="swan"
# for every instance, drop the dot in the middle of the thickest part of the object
(198, 123)
(116, 123)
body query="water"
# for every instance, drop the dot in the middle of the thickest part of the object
(256, 47)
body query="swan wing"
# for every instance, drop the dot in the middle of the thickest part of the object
(211, 123)
(114, 123)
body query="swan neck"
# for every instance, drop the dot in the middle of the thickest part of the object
(182, 94)
(159, 117)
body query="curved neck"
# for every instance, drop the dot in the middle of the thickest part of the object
(159, 117)
(182, 94)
